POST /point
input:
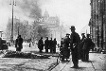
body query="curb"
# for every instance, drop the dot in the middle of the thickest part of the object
(53, 65)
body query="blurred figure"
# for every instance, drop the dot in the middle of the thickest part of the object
(86, 47)
(81, 46)
(74, 46)
(46, 44)
(40, 44)
(54, 45)
(67, 44)
(19, 43)
(62, 47)
(65, 50)
(51, 45)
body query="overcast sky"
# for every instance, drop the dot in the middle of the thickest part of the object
(70, 12)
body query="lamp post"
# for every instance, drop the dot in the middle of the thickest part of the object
(19, 27)
(13, 4)
(102, 15)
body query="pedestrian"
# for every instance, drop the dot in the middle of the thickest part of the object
(19, 43)
(51, 45)
(40, 44)
(86, 47)
(54, 45)
(46, 45)
(81, 46)
(67, 42)
(62, 49)
(74, 44)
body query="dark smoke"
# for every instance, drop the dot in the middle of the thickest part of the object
(30, 8)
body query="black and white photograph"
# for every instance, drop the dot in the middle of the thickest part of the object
(52, 35)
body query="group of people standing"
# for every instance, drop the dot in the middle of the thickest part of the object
(85, 45)
(79, 47)
(49, 45)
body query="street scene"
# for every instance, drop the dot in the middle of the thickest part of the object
(52, 35)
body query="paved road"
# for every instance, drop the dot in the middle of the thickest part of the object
(24, 64)
(97, 63)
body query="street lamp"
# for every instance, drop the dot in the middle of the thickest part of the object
(13, 4)
(102, 28)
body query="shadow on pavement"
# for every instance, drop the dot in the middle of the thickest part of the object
(82, 68)
(90, 61)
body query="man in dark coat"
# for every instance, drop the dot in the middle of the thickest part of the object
(81, 46)
(51, 45)
(54, 45)
(19, 43)
(86, 47)
(40, 44)
(67, 41)
(74, 45)
(46, 45)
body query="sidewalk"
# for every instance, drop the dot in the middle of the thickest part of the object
(96, 63)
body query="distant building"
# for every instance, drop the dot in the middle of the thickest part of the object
(98, 22)
(52, 23)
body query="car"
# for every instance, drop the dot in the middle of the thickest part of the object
(4, 45)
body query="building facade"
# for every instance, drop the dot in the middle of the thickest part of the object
(98, 23)
(52, 23)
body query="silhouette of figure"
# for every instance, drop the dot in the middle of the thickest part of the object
(65, 50)
(67, 42)
(54, 45)
(40, 44)
(46, 45)
(19, 43)
(74, 43)
(86, 47)
(81, 46)
(62, 49)
(51, 45)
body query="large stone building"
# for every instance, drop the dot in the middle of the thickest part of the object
(52, 23)
(98, 22)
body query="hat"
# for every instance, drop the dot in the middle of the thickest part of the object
(67, 34)
(82, 33)
(72, 27)
(88, 34)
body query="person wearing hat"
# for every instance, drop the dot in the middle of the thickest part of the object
(40, 44)
(81, 46)
(19, 43)
(74, 43)
(67, 42)
(46, 45)
(86, 47)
